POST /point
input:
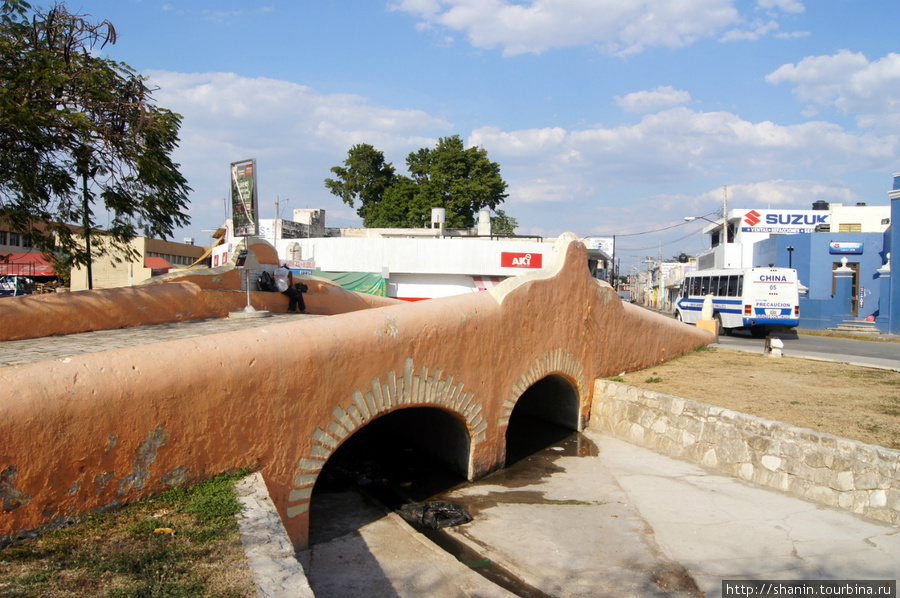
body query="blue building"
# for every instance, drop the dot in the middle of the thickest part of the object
(847, 273)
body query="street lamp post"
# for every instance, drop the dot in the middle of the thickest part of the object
(790, 250)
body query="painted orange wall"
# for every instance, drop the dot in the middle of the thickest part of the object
(109, 427)
(182, 295)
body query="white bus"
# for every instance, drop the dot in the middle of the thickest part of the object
(758, 299)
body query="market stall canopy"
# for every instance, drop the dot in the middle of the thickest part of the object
(157, 264)
(26, 264)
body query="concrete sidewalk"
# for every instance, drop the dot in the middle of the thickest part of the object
(622, 521)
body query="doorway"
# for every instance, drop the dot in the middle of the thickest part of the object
(854, 285)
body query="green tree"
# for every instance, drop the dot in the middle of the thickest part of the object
(501, 224)
(364, 177)
(78, 129)
(463, 181)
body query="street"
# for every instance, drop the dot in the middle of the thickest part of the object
(884, 354)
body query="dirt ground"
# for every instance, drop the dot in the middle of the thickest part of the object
(850, 401)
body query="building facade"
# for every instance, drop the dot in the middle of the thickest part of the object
(410, 264)
(840, 254)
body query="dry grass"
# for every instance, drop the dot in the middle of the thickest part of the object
(850, 401)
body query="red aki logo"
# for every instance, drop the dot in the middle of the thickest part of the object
(520, 260)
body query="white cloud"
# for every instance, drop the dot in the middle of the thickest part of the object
(788, 6)
(756, 30)
(785, 193)
(649, 101)
(537, 26)
(850, 83)
(675, 146)
(296, 134)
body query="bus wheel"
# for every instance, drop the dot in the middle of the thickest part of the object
(718, 318)
(678, 316)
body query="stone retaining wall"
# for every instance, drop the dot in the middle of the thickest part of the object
(822, 468)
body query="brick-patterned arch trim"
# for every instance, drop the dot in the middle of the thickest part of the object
(551, 362)
(409, 388)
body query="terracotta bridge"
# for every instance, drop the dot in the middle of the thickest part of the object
(96, 430)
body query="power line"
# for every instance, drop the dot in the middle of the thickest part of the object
(657, 230)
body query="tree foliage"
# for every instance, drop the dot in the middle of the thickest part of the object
(461, 180)
(78, 129)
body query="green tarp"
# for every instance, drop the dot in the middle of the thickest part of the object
(361, 282)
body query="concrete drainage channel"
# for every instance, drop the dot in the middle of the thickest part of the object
(858, 478)
(278, 573)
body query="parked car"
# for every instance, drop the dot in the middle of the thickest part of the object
(12, 285)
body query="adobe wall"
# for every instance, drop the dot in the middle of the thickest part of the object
(180, 296)
(826, 469)
(110, 427)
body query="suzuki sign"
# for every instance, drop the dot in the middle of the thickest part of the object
(783, 221)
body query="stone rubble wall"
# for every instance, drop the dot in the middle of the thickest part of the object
(829, 470)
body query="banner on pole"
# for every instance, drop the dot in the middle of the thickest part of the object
(244, 203)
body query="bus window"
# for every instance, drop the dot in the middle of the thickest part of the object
(733, 284)
(740, 286)
(695, 286)
(704, 285)
(723, 286)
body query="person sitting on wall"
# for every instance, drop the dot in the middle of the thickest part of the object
(284, 283)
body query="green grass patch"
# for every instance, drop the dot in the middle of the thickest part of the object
(157, 547)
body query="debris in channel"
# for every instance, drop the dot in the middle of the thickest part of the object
(435, 515)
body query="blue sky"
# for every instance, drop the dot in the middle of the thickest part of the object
(606, 116)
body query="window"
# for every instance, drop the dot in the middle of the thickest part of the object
(723, 286)
(2, 237)
(14, 239)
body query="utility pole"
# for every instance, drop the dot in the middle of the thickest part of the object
(661, 294)
(278, 207)
(648, 286)
(725, 213)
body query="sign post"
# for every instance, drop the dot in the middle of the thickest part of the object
(245, 218)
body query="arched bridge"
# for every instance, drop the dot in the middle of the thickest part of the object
(100, 429)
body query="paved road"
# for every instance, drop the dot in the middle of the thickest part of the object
(884, 354)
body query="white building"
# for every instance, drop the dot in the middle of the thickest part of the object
(747, 227)
(409, 264)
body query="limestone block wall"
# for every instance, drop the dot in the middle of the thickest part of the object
(825, 469)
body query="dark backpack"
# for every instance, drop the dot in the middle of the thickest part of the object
(266, 282)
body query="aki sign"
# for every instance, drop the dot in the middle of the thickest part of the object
(244, 203)
(520, 260)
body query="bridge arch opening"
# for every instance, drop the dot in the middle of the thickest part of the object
(407, 455)
(548, 411)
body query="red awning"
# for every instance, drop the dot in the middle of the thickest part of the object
(26, 264)
(157, 264)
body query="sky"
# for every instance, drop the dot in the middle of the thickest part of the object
(607, 117)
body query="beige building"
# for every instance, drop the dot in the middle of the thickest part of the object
(151, 257)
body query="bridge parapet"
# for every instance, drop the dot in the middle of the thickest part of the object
(109, 427)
